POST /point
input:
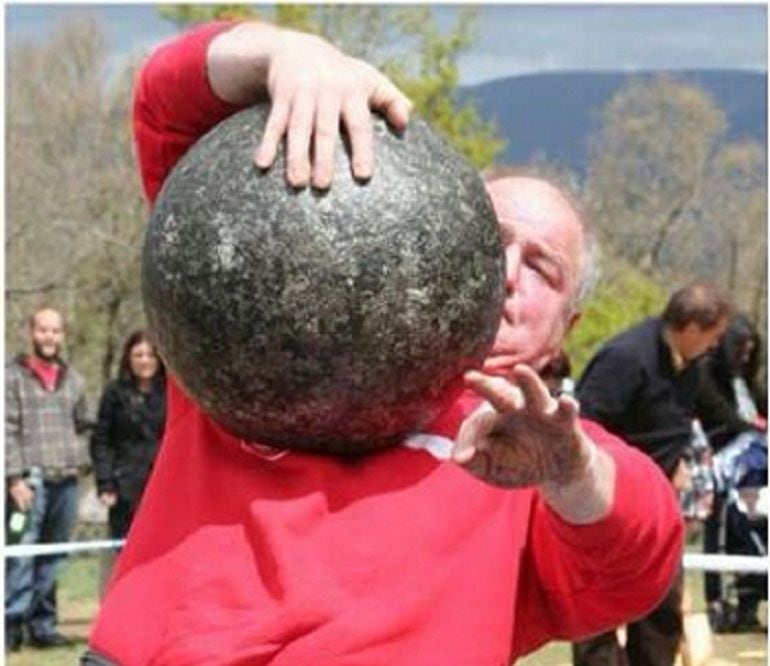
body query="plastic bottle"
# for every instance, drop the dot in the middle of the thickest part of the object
(20, 521)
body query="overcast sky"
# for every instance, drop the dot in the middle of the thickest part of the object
(510, 38)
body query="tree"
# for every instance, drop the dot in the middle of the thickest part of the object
(675, 198)
(184, 14)
(432, 84)
(370, 32)
(648, 162)
(75, 214)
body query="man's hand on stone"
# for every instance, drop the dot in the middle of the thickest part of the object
(314, 88)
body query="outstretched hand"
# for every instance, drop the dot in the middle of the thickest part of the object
(523, 436)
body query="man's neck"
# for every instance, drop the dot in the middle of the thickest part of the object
(677, 360)
(44, 360)
(47, 370)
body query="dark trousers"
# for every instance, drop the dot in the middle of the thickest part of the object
(712, 526)
(120, 517)
(30, 582)
(652, 641)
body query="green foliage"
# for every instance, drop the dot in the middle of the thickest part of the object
(425, 66)
(297, 17)
(622, 298)
(186, 14)
(432, 85)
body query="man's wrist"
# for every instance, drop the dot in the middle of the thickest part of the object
(588, 498)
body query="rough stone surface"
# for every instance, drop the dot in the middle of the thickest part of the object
(327, 322)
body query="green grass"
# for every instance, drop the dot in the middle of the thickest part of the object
(78, 594)
(79, 589)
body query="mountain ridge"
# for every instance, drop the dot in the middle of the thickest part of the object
(553, 114)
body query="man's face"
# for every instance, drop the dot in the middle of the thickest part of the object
(543, 240)
(47, 334)
(695, 341)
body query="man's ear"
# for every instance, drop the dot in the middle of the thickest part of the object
(573, 319)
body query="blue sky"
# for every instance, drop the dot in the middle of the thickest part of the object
(511, 38)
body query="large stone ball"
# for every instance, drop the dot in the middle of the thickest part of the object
(330, 322)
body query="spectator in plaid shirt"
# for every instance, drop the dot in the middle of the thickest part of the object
(45, 414)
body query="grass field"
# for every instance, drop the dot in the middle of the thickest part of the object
(79, 592)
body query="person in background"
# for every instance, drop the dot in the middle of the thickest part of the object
(128, 430)
(45, 421)
(557, 375)
(641, 386)
(729, 402)
(729, 397)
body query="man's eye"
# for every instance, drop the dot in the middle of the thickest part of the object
(545, 271)
(538, 267)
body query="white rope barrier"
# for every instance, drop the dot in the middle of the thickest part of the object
(734, 563)
(692, 561)
(29, 550)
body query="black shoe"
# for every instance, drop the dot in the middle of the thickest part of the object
(14, 637)
(53, 640)
(747, 623)
(721, 616)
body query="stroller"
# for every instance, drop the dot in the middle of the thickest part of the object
(740, 479)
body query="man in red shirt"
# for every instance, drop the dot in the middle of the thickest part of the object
(505, 524)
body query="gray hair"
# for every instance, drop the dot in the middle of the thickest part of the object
(590, 259)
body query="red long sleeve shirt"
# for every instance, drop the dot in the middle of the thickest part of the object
(395, 558)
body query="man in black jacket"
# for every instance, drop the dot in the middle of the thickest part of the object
(641, 386)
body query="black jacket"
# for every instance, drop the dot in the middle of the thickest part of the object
(716, 402)
(630, 386)
(124, 444)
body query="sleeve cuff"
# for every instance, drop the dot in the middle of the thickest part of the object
(187, 61)
(634, 479)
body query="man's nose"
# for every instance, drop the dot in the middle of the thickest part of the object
(512, 263)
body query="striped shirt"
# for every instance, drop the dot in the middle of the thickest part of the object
(44, 428)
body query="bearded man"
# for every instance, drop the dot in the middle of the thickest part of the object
(45, 416)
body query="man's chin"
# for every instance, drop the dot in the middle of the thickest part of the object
(47, 355)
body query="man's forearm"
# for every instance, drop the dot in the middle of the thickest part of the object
(238, 62)
(589, 498)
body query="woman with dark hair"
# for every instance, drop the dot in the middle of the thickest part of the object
(730, 401)
(129, 427)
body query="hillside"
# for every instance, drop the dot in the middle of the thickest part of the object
(553, 114)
